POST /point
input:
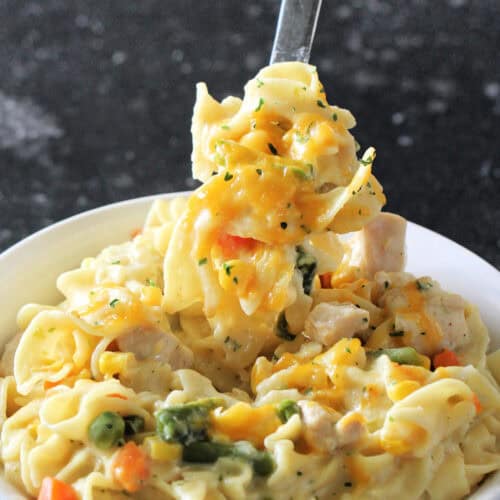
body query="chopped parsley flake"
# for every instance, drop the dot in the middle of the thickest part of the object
(113, 303)
(320, 104)
(283, 225)
(273, 150)
(202, 261)
(348, 484)
(115, 262)
(386, 284)
(335, 117)
(225, 127)
(259, 171)
(261, 103)
(348, 350)
(235, 280)
(214, 172)
(259, 83)
(150, 282)
(227, 268)
(52, 329)
(228, 176)
(282, 330)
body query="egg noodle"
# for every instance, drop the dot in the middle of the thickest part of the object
(240, 346)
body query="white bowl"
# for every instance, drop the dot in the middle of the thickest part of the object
(29, 270)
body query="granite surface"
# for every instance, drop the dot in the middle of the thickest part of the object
(96, 99)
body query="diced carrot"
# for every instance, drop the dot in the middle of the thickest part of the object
(116, 395)
(131, 467)
(477, 403)
(326, 280)
(53, 489)
(231, 245)
(135, 232)
(445, 358)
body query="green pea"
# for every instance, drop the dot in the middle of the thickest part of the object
(286, 409)
(107, 430)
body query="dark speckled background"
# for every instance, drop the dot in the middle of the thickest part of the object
(96, 99)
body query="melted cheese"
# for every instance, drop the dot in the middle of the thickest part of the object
(415, 310)
(245, 422)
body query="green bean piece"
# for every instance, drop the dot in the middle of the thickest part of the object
(186, 423)
(133, 424)
(307, 265)
(107, 430)
(205, 452)
(209, 451)
(401, 355)
(261, 461)
(286, 409)
(282, 330)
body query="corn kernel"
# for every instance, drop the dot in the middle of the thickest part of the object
(243, 421)
(344, 352)
(161, 451)
(402, 389)
(113, 363)
(403, 438)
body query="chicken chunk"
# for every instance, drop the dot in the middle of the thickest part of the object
(434, 306)
(380, 245)
(328, 322)
(148, 375)
(325, 430)
(319, 426)
(156, 345)
(448, 310)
